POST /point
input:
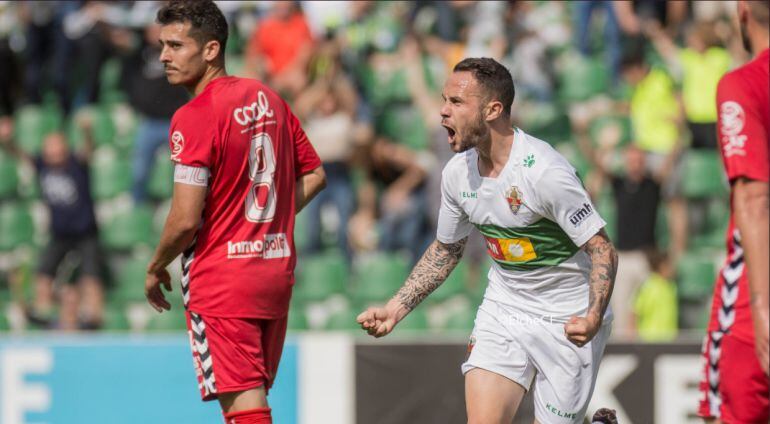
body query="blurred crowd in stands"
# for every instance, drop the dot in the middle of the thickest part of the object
(625, 90)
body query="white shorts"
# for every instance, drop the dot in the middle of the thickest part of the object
(523, 348)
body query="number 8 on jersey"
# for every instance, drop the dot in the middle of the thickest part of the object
(260, 202)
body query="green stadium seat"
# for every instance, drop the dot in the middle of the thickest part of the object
(16, 226)
(702, 175)
(344, 320)
(4, 324)
(168, 321)
(297, 320)
(129, 281)
(301, 231)
(717, 219)
(696, 275)
(320, 276)
(581, 78)
(9, 178)
(128, 229)
(110, 82)
(110, 176)
(115, 318)
(104, 128)
(161, 184)
(378, 277)
(33, 123)
(416, 320)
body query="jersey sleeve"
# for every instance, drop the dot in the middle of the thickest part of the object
(305, 157)
(192, 139)
(742, 134)
(453, 223)
(561, 198)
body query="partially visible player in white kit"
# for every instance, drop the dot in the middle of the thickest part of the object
(544, 318)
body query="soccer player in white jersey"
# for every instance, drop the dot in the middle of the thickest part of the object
(544, 320)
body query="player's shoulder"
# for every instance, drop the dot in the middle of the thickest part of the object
(731, 81)
(741, 80)
(537, 157)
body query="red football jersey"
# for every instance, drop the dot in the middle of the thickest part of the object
(743, 99)
(241, 263)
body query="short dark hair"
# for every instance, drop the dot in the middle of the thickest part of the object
(206, 20)
(493, 77)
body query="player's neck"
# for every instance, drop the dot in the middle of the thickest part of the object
(759, 44)
(211, 74)
(495, 151)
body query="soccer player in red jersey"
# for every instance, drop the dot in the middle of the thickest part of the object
(243, 168)
(735, 386)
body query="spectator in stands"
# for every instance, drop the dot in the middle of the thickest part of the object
(280, 48)
(637, 195)
(392, 200)
(9, 70)
(584, 11)
(633, 15)
(47, 48)
(700, 65)
(151, 97)
(327, 110)
(657, 122)
(427, 102)
(65, 186)
(655, 308)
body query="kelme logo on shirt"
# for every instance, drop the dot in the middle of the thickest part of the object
(558, 412)
(254, 112)
(578, 216)
(273, 246)
(513, 197)
(469, 195)
(177, 145)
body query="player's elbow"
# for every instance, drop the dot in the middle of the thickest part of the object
(183, 225)
(317, 180)
(751, 202)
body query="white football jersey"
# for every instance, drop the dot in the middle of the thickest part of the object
(535, 216)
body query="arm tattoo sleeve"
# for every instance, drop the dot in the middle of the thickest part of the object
(604, 264)
(430, 272)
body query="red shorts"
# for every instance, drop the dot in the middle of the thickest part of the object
(234, 354)
(734, 387)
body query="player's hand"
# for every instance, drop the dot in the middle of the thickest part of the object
(580, 330)
(761, 319)
(377, 321)
(154, 293)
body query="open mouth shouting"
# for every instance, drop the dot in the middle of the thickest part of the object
(451, 132)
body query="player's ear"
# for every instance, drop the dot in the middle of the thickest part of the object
(493, 110)
(211, 50)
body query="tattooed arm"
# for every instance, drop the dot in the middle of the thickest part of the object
(430, 272)
(604, 264)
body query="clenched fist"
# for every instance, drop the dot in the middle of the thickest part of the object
(380, 321)
(580, 330)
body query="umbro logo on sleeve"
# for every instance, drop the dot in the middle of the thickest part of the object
(581, 214)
